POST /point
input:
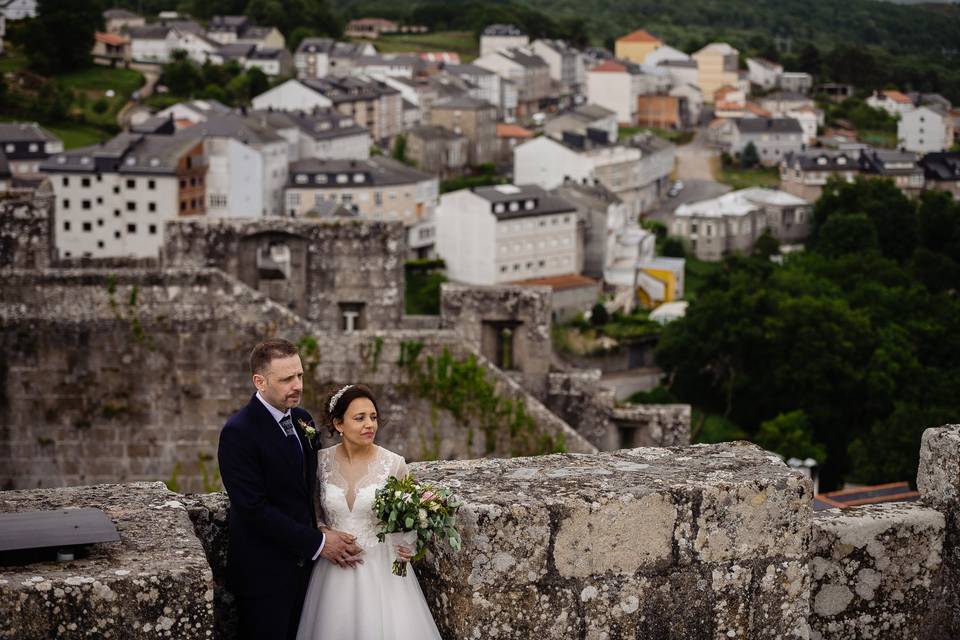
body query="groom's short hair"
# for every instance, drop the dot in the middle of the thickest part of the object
(269, 350)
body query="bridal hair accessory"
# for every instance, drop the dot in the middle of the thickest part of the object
(335, 398)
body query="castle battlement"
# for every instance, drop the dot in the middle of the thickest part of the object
(708, 541)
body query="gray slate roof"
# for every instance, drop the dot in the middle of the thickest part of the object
(463, 102)
(378, 171)
(768, 125)
(545, 202)
(230, 125)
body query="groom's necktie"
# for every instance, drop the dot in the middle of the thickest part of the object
(292, 440)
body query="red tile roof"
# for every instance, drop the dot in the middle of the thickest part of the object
(112, 39)
(640, 36)
(567, 281)
(512, 131)
(896, 96)
(610, 66)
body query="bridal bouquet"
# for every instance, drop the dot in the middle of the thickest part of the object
(417, 513)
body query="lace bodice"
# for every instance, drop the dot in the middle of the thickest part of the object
(347, 503)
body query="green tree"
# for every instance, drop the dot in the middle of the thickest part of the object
(766, 245)
(59, 38)
(845, 234)
(182, 76)
(749, 158)
(259, 82)
(599, 315)
(672, 247)
(790, 435)
(400, 148)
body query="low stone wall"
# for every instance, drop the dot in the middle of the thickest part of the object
(654, 425)
(580, 399)
(697, 542)
(116, 376)
(155, 582)
(875, 571)
(26, 232)
(938, 480)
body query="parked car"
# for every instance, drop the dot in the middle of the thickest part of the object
(675, 190)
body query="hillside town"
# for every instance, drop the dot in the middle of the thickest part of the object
(579, 147)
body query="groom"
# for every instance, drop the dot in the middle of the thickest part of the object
(269, 469)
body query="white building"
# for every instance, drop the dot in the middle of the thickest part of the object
(292, 95)
(486, 85)
(19, 9)
(112, 200)
(665, 53)
(506, 233)
(637, 172)
(194, 111)
(501, 36)
(565, 62)
(926, 129)
(891, 101)
(798, 81)
(732, 223)
(324, 134)
(763, 73)
(578, 120)
(270, 168)
(616, 84)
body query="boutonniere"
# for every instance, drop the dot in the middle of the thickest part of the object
(309, 430)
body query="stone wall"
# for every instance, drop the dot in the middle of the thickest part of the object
(579, 398)
(875, 572)
(697, 542)
(319, 268)
(681, 543)
(509, 325)
(155, 582)
(938, 480)
(26, 232)
(113, 376)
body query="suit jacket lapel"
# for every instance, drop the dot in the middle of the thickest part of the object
(275, 439)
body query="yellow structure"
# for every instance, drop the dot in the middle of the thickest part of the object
(636, 46)
(717, 65)
(659, 285)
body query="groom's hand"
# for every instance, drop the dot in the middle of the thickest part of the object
(341, 549)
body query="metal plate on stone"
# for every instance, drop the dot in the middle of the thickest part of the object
(60, 528)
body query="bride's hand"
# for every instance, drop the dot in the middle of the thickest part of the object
(404, 553)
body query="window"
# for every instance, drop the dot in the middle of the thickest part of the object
(320, 178)
(352, 317)
(10, 148)
(131, 206)
(116, 190)
(193, 182)
(131, 228)
(378, 198)
(343, 178)
(131, 183)
(151, 184)
(88, 226)
(183, 205)
(183, 184)
(116, 235)
(66, 203)
(116, 213)
(66, 225)
(152, 207)
(359, 177)
(65, 181)
(153, 229)
(99, 222)
(99, 244)
(301, 178)
(85, 182)
(84, 204)
(99, 199)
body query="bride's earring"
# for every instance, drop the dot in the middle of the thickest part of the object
(340, 433)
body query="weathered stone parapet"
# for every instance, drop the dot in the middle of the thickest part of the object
(938, 480)
(697, 542)
(875, 571)
(26, 232)
(655, 425)
(154, 583)
(319, 268)
(508, 324)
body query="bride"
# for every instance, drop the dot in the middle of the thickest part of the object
(364, 601)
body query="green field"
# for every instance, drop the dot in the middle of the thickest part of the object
(745, 178)
(462, 42)
(12, 60)
(97, 79)
(76, 135)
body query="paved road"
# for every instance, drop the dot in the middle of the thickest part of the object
(693, 168)
(693, 159)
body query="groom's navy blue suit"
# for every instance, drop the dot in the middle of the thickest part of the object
(273, 530)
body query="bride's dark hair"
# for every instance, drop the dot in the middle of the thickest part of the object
(343, 401)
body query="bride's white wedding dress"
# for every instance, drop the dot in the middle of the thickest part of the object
(366, 602)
